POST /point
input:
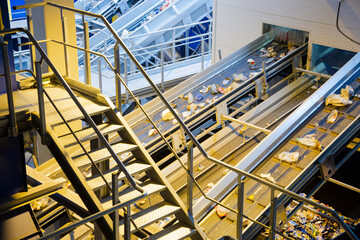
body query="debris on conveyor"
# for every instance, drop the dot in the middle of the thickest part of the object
(251, 61)
(310, 141)
(332, 116)
(221, 211)
(310, 223)
(152, 132)
(167, 115)
(205, 89)
(199, 97)
(289, 157)
(226, 81)
(282, 55)
(214, 89)
(342, 99)
(190, 98)
(239, 77)
(268, 177)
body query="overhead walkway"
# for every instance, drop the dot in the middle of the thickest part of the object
(179, 13)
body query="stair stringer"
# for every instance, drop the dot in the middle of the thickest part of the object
(74, 175)
(155, 173)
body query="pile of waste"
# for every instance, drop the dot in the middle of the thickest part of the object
(312, 223)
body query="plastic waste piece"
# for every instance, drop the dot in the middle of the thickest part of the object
(190, 98)
(173, 105)
(314, 87)
(186, 114)
(267, 176)
(332, 116)
(221, 90)
(282, 55)
(214, 89)
(273, 54)
(167, 115)
(192, 106)
(251, 61)
(251, 198)
(225, 82)
(205, 89)
(342, 99)
(221, 211)
(270, 49)
(201, 105)
(152, 132)
(200, 167)
(40, 204)
(199, 97)
(263, 50)
(174, 121)
(208, 101)
(289, 157)
(310, 141)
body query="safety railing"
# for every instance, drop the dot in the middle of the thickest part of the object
(38, 78)
(42, 129)
(189, 168)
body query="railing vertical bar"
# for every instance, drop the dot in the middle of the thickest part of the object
(162, 68)
(126, 78)
(13, 130)
(240, 207)
(40, 92)
(20, 50)
(115, 200)
(117, 80)
(100, 75)
(202, 53)
(173, 48)
(63, 27)
(190, 166)
(87, 64)
(273, 208)
(127, 227)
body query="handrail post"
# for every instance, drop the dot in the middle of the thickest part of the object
(127, 227)
(240, 208)
(64, 32)
(115, 200)
(100, 75)
(117, 80)
(162, 67)
(13, 130)
(210, 37)
(202, 52)
(40, 92)
(272, 222)
(126, 78)
(173, 49)
(87, 65)
(190, 167)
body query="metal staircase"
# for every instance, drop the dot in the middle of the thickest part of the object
(108, 185)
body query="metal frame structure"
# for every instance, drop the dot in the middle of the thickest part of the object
(240, 173)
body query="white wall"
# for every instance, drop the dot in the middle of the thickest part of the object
(238, 22)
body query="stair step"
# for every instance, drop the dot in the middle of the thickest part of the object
(97, 182)
(102, 154)
(150, 215)
(130, 193)
(75, 113)
(89, 134)
(177, 231)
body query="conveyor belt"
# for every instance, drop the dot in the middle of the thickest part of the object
(285, 174)
(214, 75)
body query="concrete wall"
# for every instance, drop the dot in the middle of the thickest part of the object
(238, 22)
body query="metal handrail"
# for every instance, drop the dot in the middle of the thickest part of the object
(81, 108)
(203, 152)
